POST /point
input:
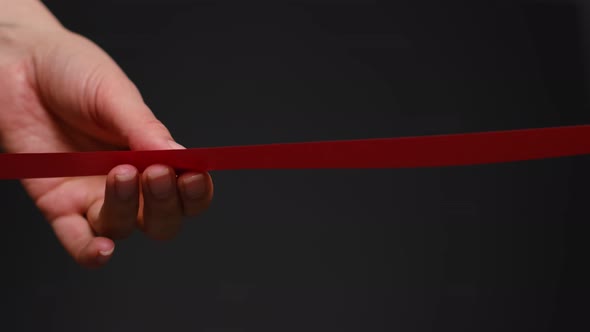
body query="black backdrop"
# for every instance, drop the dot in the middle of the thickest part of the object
(482, 248)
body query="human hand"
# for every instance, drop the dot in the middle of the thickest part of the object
(59, 92)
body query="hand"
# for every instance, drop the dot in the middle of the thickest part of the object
(60, 92)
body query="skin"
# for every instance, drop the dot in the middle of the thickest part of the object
(60, 92)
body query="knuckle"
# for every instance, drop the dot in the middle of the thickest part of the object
(118, 233)
(114, 228)
(196, 209)
(162, 228)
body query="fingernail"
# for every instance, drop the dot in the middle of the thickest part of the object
(175, 145)
(107, 252)
(160, 182)
(104, 256)
(125, 184)
(195, 187)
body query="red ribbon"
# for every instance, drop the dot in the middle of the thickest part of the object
(405, 152)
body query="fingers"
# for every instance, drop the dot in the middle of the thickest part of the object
(116, 216)
(162, 206)
(166, 200)
(196, 192)
(74, 233)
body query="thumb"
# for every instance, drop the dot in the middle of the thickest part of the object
(121, 108)
(88, 89)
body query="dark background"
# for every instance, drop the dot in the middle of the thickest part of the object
(482, 248)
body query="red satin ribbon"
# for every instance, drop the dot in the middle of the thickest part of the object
(405, 152)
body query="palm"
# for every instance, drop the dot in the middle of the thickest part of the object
(38, 130)
(30, 125)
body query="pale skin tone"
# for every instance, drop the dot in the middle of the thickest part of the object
(60, 92)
